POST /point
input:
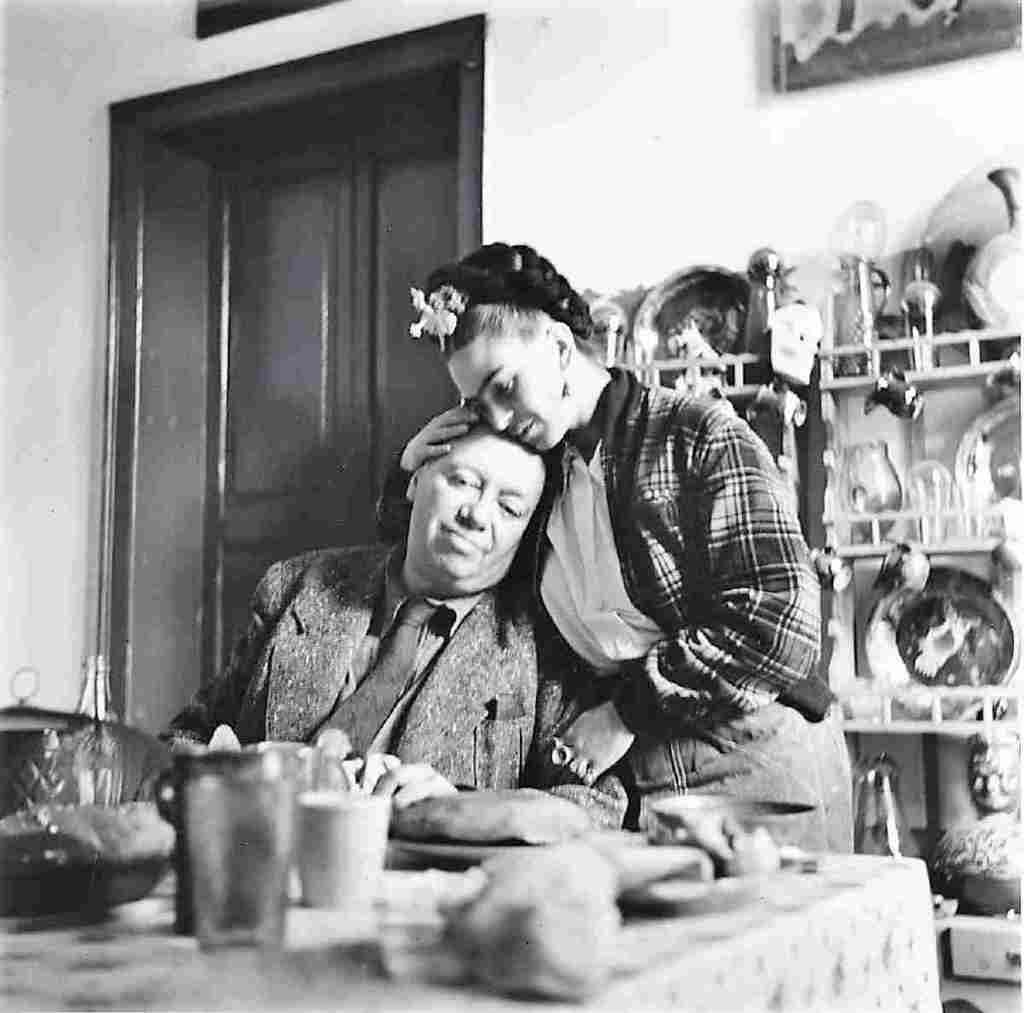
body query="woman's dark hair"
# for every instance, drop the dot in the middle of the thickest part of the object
(502, 281)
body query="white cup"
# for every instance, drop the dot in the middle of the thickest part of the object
(343, 839)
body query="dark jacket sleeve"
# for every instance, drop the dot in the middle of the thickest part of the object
(566, 688)
(221, 700)
(753, 612)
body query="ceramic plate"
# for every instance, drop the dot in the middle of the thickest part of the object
(712, 298)
(447, 854)
(683, 897)
(953, 632)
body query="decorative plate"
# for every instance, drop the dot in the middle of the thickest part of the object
(710, 298)
(953, 632)
(987, 465)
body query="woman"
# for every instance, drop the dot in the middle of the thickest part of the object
(669, 558)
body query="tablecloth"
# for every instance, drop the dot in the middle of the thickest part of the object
(856, 935)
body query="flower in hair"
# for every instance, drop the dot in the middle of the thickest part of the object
(439, 312)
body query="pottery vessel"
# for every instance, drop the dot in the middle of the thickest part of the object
(994, 280)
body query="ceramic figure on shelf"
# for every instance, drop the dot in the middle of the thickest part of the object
(869, 485)
(862, 289)
(797, 331)
(902, 567)
(980, 863)
(994, 281)
(611, 331)
(894, 392)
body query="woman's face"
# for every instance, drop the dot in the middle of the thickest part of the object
(515, 379)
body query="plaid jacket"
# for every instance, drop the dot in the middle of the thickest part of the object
(711, 549)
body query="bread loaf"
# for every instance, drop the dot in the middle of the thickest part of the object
(488, 817)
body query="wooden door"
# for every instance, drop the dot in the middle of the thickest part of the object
(264, 237)
(320, 381)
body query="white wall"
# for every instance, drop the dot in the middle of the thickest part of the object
(624, 140)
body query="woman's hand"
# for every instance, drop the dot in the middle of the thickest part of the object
(434, 439)
(593, 743)
(411, 782)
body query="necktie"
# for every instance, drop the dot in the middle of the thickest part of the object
(362, 714)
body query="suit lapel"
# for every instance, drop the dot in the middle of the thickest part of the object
(469, 673)
(313, 649)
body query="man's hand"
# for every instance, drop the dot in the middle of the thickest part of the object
(412, 782)
(434, 439)
(594, 742)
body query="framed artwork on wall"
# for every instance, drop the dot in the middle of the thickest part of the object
(829, 41)
(216, 16)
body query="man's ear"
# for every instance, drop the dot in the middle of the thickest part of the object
(410, 489)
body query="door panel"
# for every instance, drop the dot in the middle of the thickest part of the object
(276, 406)
(265, 231)
(415, 211)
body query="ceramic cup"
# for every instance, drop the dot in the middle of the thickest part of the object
(342, 842)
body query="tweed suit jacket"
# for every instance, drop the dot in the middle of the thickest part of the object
(484, 716)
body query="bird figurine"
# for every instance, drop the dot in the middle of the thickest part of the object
(894, 392)
(903, 567)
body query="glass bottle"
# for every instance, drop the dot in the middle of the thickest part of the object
(880, 826)
(97, 763)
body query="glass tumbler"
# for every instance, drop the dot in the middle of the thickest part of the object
(238, 811)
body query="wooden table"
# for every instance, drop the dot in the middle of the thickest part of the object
(856, 935)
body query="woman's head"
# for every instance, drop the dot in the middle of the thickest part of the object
(512, 329)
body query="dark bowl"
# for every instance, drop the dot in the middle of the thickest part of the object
(53, 860)
(67, 878)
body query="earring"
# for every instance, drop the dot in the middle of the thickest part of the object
(565, 389)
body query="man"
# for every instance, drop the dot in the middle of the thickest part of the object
(478, 699)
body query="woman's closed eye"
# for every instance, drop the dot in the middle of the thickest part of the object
(504, 389)
(513, 510)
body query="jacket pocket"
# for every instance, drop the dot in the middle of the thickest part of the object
(499, 751)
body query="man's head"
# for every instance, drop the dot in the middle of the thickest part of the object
(469, 511)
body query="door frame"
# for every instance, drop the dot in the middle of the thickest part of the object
(458, 45)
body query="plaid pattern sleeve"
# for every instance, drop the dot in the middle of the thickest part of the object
(717, 556)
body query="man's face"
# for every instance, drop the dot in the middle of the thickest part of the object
(469, 511)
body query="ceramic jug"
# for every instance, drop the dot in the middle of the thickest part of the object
(994, 280)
